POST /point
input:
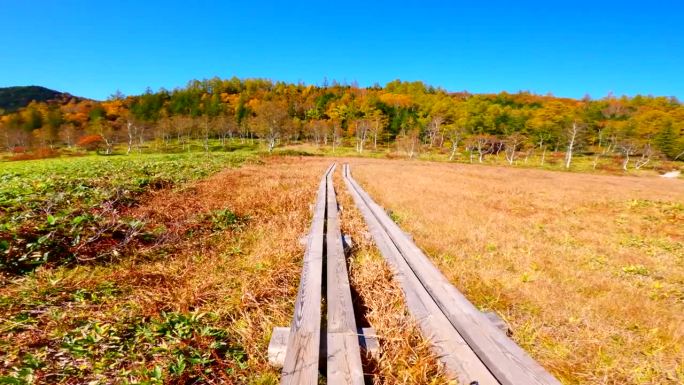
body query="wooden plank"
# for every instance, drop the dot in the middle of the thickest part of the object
(509, 363)
(498, 322)
(302, 354)
(447, 343)
(368, 340)
(277, 347)
(343, 351)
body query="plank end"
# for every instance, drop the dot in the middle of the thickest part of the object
(277, 347)
(368, 340)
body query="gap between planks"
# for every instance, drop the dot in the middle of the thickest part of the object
(341, 347)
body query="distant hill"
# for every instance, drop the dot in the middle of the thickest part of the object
(14, 98)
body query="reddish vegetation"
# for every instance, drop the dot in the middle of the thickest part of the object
(91, 142)
(21, 153)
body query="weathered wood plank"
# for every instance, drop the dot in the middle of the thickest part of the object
(368, 340)
(509, 363)
(302, 354)
(497, 321)
(449, 346)
(277, 347)
(343, 351)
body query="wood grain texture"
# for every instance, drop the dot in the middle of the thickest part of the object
(343, 351)
(277, 347)
(509, 363)
(461, 362)
(302, 354)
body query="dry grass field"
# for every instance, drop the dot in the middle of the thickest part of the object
(588, 270)
(197, 303)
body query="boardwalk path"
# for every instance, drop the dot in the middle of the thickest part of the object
(341, 349)
(474, 350)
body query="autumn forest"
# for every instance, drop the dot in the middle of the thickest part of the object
(410, 118)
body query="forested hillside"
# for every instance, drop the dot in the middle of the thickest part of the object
(15, 98)
(410, 117)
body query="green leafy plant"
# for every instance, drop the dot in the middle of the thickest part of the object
(62, 211)
(227, 220)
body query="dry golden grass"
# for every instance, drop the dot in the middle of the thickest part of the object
(246, 277)
(587, 269)
(120, 321)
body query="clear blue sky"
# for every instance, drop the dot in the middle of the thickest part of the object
(92, 48)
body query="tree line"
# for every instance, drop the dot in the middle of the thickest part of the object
(410, 117)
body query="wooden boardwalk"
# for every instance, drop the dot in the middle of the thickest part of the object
(472, 348)
(343, 352)
(341, 348)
